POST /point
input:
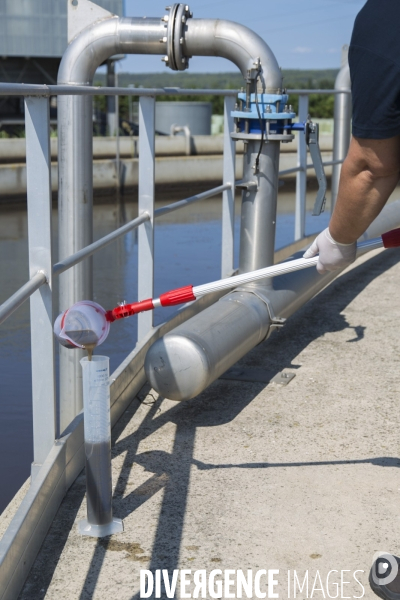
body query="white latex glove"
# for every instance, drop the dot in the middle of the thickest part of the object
(332, 255)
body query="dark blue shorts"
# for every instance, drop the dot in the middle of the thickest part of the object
(374, 59)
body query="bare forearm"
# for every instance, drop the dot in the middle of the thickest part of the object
(360, 199)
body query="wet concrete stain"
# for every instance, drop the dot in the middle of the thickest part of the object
(133, 550)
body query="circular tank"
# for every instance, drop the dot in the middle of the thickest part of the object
(196, 115)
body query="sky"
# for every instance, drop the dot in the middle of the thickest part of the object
(303, 34)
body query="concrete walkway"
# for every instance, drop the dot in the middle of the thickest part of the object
(258, 476)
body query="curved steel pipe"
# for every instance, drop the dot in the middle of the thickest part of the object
(240, 45)
(103, 39)
(94, 45)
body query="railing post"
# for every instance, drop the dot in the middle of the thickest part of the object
(146, 204)
(38, 167)
(228, 196)
(301, 176)
(342, 122)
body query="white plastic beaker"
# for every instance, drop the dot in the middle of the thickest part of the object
(81, 325)
(97, 432)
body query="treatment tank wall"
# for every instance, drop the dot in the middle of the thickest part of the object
(196, 115)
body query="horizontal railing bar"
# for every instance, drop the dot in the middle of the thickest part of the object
(331, 163)
(308, 92)
(310, 166)
(289, 171)
(20, 89)
(74, 259)
(181, 203)
(24, 292)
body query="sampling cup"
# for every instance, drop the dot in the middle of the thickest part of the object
(81, 325)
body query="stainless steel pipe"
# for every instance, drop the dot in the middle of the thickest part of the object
(342, 121)
(240, 45)
(258, 216)
(85, 53)
(93, 46)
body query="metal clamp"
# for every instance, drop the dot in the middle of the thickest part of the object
(175, 23)
(247, 185)
(275, 322)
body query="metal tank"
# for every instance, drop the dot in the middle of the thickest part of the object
(195, 115)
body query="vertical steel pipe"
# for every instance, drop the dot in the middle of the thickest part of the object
(85, 53)
(75, 232)
(258, 217)
(111, 100)
(301, 176)
(228, 196)
(342, 122)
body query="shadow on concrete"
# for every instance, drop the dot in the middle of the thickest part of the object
(381, 461)
(171, 472)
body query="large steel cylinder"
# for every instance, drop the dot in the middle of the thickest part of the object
(184, 362)
(188, 359)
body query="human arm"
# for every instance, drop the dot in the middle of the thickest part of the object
(369, 175)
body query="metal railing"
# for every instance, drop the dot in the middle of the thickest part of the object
(58, 449)
(42, 269)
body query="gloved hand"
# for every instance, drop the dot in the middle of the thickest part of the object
(332, 255)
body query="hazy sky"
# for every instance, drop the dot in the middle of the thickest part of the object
(303, 34)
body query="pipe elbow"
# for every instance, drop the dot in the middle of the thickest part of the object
(87, 51)
(240, 45)
(105, 38)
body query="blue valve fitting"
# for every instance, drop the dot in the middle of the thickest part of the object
(275, 117)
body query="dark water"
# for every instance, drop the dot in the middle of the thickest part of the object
(98, 482)
(187, 251)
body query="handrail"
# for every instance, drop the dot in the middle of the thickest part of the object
(24, 292)
(310, 166)
(21, 89)
(318, 91)
(74, 259)
(181, 203)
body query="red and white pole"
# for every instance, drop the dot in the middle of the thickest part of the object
(391, 239)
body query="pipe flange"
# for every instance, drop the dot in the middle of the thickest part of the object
(176, 20)
(182, 15)
(170, 37)
(272, 137)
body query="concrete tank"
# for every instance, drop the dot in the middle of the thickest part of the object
(196, 115)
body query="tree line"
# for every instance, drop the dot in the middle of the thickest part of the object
(321, 105)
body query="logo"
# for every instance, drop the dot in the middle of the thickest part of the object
(384, 568)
